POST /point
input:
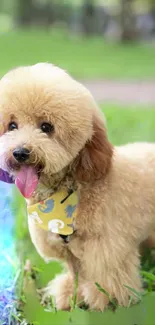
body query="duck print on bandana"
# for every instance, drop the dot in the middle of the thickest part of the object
(55, 214)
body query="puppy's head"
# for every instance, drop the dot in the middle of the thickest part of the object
(48, 120)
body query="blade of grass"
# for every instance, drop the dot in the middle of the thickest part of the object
(137, 294)
(36, 269)
(75, 291)
(148, 275)
(16, 317)
(53, 304)
(112, 301)
(130, 301)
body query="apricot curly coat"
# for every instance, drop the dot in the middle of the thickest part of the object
(116, 212)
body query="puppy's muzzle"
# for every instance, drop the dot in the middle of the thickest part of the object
(21, 155)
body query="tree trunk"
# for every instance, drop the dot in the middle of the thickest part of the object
(88, 17)
(128, 30)
(25, 11)
(152, 12)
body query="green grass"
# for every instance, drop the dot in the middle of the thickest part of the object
(129, 125)
(84, 58)
(124, 125)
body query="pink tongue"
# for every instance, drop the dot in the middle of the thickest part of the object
(27, 181)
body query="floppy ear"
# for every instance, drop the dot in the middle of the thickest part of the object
(94, 160)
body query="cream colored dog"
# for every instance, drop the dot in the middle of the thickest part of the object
(60, 132)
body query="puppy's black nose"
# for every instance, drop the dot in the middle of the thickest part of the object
(21, 154)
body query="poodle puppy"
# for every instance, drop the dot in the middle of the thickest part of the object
(53, 137)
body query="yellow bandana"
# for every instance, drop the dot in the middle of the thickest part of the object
(56, 214)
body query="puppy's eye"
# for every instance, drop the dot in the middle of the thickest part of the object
(47, 127)
(12, 126)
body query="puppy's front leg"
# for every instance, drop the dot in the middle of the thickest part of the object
(51, 246)
(48, 245)
(107, 266)
(62, 290)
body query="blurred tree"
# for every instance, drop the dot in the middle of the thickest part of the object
(25, 11)
(88, 17)
(152, 13)
(128, 23)
(42, 12)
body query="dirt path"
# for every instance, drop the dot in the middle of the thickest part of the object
(123, 92)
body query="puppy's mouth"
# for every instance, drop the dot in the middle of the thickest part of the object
(26, 177)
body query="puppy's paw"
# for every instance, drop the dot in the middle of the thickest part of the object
(59, 291)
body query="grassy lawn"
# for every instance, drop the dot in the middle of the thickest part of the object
(130, 124)
(84, 58)
(123, 126)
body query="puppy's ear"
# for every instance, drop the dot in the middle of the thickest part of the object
(94, 160)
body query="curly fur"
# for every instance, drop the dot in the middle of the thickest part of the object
(116, 184)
